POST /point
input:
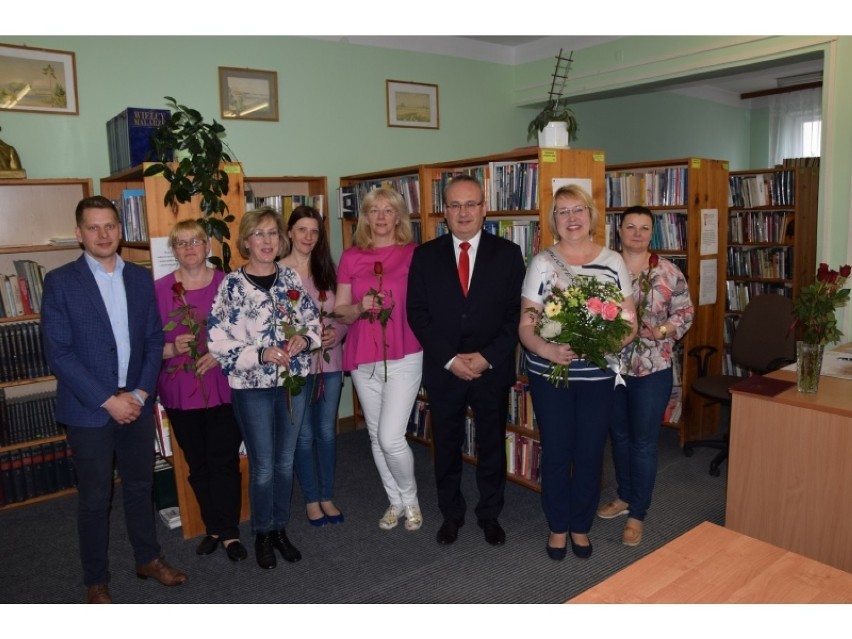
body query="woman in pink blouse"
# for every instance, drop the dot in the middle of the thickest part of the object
(664, 313)
(381, 351)
(310, 257)
(195, 391)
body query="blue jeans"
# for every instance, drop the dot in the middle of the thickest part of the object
(573, 423)
(635, 432)
(316, 450)
(270, 438)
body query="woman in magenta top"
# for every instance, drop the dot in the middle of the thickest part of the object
(384, 357)
(195, 391)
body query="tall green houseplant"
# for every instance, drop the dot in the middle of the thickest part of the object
(199, 153)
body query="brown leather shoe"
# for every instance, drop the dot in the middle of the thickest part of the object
(98, 595)
(162, 572)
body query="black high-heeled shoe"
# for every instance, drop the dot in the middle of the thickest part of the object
(583, 552)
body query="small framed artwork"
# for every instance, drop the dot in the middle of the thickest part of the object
(38, 80)
(248, 94)
(412, 104)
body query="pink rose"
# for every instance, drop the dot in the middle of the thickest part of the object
(610, 311)
(595, 305)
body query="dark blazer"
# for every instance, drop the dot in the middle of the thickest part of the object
(486, 321)
(80, 346)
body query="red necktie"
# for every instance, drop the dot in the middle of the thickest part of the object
(464, 266)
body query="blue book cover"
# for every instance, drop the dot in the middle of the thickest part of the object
(129, 136)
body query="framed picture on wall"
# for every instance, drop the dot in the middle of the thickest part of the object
(248, 94)
(412, 104)
(38, 80)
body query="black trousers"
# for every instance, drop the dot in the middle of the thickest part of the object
(448, 404)
(210, 440)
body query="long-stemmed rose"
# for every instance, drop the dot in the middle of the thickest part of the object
(646, 299)
(293, 383)
(184, 316)
(382, 316)
(325, 357)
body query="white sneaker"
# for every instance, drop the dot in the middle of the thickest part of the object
(390, 519)
(413, 518)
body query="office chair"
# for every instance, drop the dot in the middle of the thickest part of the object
(763, 342)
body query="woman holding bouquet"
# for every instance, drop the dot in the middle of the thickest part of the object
(381, 351)
(261, 328)
(195, 392)
(664, 312)
(310, 257)
(573, 417)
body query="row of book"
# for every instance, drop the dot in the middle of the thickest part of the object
(129, 136)
(33, 471)
(763, 189)
(285, 204)
(420, 421)
(162, 431)
(27, 418)
(764, 262)
(761, 226)
(513, 186)
(523, 457)
(659, 187)
(22, 352)
(21, 292)
(408, 186)
(521, 413)
(738, 294)
(131, 211)
(442, 180)
(668, 232)
(526, 234)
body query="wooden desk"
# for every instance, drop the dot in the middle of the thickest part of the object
(711, 564)
(790, 470)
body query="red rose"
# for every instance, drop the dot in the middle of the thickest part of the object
(822, 272)
(845, 270)
(178, 288)
(293, 295)
(323, 296)
(378, 268)
(653, 260)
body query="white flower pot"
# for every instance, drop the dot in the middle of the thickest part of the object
(554, 135)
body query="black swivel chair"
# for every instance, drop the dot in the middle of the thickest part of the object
(763, 342)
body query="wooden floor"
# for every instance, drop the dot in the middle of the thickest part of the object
(712, 564)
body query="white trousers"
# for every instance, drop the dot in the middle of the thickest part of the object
(387, 406)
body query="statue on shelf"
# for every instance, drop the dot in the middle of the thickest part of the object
(10, 162)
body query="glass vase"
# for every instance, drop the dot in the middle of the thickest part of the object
(808, 366)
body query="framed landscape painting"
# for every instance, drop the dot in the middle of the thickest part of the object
(38, 80)
(248, 94)
(412, 104)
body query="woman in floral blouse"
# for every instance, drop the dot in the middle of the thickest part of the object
(664, 313)
(262, 327)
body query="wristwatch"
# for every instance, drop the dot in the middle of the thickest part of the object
(663, 330)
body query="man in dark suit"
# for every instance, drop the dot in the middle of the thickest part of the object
(104, 344)
(464, 298)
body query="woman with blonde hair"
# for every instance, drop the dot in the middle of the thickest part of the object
(382, 353)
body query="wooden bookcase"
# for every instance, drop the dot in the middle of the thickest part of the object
(423, 184)
(689, 200)
(772, 226)
(32, 213)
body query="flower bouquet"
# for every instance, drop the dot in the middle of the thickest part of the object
(588, 316)
(814, 308)
(184, 315)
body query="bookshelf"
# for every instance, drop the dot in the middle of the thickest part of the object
(519, 193)
(37, 225)
(689, 200)
(772, 226)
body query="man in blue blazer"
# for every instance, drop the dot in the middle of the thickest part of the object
(464, 299)
(104, 344)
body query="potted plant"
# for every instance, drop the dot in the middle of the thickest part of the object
(199, 154)
(555, 125)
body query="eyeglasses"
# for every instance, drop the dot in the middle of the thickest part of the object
(577, 210)
(196, 241)
(259, 235)
(455, 207)
(386, 212)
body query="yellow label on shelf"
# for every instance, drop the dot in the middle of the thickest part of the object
(232, 168)
(599, 157)
(548, 156)
(725, 166)
(695, 163)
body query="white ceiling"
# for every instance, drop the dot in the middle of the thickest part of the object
(725, 88)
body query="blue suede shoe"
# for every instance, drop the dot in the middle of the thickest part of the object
(333, 519)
